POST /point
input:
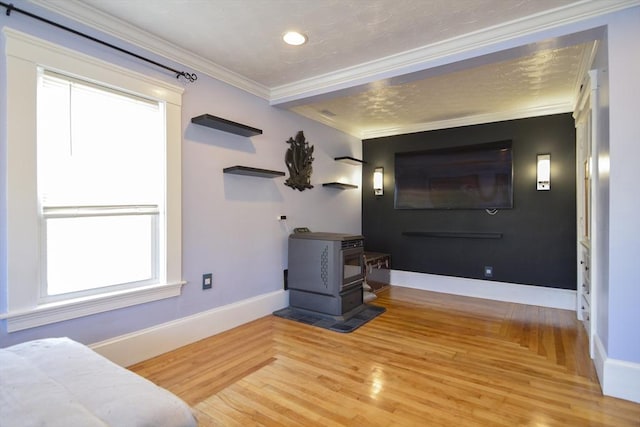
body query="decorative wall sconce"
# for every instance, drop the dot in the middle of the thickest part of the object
(378, 181)
(544, 172)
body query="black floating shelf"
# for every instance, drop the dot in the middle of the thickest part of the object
(340, 185)
(453, 234)
(249, 171)
(350, 160)
(225, 125)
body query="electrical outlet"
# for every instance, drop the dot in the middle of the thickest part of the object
(207, 281)
(282, 217)
(488, 271)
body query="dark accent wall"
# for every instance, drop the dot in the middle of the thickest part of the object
(533, 243)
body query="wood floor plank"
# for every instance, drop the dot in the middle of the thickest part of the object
(430, 359)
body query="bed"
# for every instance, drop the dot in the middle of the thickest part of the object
(59, 382)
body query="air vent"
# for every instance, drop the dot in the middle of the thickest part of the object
(324, 267)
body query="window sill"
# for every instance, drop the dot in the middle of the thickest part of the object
(66, 310)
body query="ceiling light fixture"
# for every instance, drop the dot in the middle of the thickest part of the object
(294, 38)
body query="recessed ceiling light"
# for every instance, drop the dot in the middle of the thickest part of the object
(294, 38)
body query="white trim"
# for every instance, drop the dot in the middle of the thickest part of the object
(546, 110)
(618, 378)
(53, 56)
(468, 120)
(84, 211)
(70, 309)
(24, 55)
(499, 291)
(394, 65)
(583, 70)
(108, 24)
(599, 357)
(434, 54)
(135, 347)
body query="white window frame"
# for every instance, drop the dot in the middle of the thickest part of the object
(25, 54)
(151, 211)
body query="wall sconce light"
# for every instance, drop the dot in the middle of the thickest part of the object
(378, 181)
(544, 172)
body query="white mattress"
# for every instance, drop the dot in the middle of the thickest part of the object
(59, 382)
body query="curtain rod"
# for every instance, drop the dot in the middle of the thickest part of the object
(191, 77)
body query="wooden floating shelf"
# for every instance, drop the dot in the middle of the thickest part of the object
(349, 160)
(225, 125)
(249, 171)
(453, 234)
(340, 185)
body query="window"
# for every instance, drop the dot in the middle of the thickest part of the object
(100, 187)
(93, 209)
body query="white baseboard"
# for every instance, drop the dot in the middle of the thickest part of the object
(618, 378)
(499, 291)
(135, 347)
(126, 350)
(599, 357)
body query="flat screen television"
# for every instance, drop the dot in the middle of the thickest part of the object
(476, 176)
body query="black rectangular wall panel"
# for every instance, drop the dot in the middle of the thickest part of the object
(533, 243)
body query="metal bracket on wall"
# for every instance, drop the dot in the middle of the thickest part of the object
(453, 234)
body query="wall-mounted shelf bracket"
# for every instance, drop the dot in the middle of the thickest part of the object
(225, 125)
(454, 234)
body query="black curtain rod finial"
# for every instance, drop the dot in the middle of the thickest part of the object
(190, 77)
(10, 8)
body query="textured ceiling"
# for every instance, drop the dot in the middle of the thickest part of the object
(366, 46)
(245, 35)
(546, 79)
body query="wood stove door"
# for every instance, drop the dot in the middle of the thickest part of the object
(353, 266)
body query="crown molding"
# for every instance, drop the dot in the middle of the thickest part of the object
(118, 28)
(446, 51)
(359, 132)
(402, 63)
(583, 71)
(502, 116)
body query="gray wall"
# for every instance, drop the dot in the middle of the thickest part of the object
(229, 225)
(538, 243)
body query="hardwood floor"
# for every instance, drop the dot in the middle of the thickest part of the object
(431, 359)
